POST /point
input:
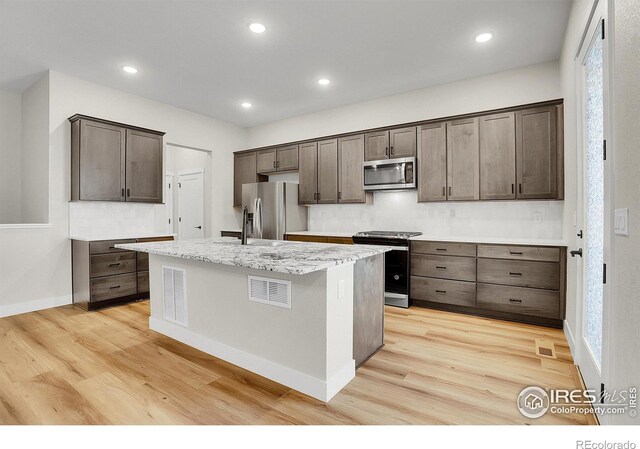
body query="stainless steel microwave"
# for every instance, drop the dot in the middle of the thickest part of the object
(390, 174)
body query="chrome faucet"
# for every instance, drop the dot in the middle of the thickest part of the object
(245, 220)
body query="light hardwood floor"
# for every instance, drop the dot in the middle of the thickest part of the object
(68, 366)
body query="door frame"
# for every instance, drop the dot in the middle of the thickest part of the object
(583, 358)
(194, 171)
(169, 202)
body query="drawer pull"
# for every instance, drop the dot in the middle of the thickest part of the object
(515, 253)
(511, 273)
(114, 287)
(442, 292)
(112, 247)
(519, 301)
(114, 264)
(441, 268)
(441, 249)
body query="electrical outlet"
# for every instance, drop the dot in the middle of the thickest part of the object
(621, 221)
(341, 289)
(537, 217)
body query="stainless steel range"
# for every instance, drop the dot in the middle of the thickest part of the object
(396, 263)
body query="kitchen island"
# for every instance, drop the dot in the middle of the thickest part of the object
(301, 314)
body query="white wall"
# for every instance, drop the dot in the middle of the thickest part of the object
(624, 346)
(35, 267)
(179, 159)
(487, 219)
(10, 157)
(35, 152)
(525, 85)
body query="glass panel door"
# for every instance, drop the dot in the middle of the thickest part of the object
(593, 67)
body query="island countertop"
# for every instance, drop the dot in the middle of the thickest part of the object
(285, 257)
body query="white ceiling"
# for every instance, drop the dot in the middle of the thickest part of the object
(200, 55)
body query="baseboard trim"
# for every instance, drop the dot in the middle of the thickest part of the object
(570, 340)
(33, 306)
(316, 388)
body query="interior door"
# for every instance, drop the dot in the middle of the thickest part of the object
(191, 204)
(591, 344)
(169, 184)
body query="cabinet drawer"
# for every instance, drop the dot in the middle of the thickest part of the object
(143, 282)
(107, 246)
(543, 254)
(520, 273)
(525, 301)
(142, 261)
(444, 248)
(444, 267)
(113, 287)
(459, 293)
(112, 264)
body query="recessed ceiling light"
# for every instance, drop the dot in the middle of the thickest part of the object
(129, 69)
(483, 37)
(257, 28)
(324, 81)
(246, 105)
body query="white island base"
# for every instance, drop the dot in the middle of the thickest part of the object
(308, 347)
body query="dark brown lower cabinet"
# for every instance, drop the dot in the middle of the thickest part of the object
(522, 283)
(104, 275)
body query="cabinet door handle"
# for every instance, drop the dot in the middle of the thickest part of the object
(274, 164)
(339, 195)
(515, 300)
(318, 196)
(386, 151)
(511, 273)
(128, 192)
(391, 149)
(277, 164)
(114, 265)
(315, 196)
(114, 287)
(449, 191)
(513, 188)
(520, 188)
(442, 292)
(122, 193)
(441, 268)
(444, 191)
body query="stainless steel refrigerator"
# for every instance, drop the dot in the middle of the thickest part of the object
(273, 209)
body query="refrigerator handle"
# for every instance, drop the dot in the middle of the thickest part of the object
(257, 219)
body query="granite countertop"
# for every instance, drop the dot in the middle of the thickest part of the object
(493, 240)
(324, 233)
(288, 257)
(132, 235)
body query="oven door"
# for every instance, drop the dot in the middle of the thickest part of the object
(390, 174)
(396, 277)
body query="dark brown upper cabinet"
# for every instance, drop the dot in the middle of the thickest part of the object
(278, 159)
(536, 153)
(308, 172)
(318, 171)
(462, 160)
(498, 157)
(244, 172)
(396, 143)
(115, 162)
(350, 172)
(432, 162)
(144, 167)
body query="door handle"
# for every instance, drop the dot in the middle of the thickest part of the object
(198, 227)
(577, 252)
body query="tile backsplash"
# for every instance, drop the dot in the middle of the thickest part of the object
(88, 218)
(400, 211)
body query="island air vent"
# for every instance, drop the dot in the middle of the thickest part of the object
(275, 292)
(175, 295)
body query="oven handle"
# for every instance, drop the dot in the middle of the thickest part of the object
(396, 248)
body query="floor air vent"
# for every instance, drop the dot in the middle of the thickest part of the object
(270, 291)
(546, 348)
(175, 295)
